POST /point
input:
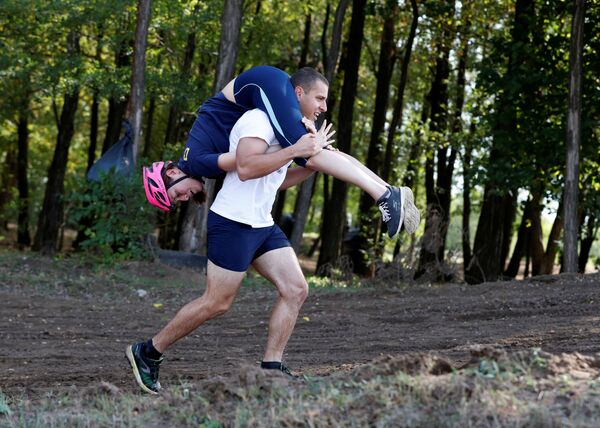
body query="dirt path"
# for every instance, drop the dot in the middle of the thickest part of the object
(51, 340)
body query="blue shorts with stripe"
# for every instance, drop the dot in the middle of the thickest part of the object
(234, 246)
(264, 87)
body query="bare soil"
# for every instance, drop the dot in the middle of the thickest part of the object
(66, 323)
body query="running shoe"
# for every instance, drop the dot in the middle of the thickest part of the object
(397, 208)
(145, 369)
(276, 365)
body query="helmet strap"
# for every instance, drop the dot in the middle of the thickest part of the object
(173, 183)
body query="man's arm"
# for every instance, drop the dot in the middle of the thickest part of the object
(253, 162)
(295, 176)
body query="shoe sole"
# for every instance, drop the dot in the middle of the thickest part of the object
(136, 373)
(412, 216)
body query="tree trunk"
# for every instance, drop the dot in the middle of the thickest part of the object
(492, 235)
(370, 223)
(279, 206)
(441, 164)
(487, 262)
(117, 105)
(334, 215)
(51, 216)
(194, 229)
(573, 139)
(586, 243)
(521, 245)
(466, 217)
(8, 180)
(390, 148)
(23, 237)
(93, 130)
(174, 120)
(136, 99)
(330, 59)
(305, 41)
(149, 128)
(552, 245)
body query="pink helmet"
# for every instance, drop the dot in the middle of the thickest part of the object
(154, 185)
(156, 191)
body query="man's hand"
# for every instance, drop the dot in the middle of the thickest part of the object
(312, 143)
(324, 135)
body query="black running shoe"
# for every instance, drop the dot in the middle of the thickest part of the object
(145, 369)
(276, 365)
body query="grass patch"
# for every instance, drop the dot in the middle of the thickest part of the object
(526, 389)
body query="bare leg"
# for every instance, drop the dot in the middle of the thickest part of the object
(337, 164)
(346, 168)
(281, 267)
(221, 287)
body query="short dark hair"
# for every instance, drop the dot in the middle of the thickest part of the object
(306, 77)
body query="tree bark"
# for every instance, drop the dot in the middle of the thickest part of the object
(117, 104)
(552, 245)
(335, 210)
(440, 164)
(136, 99)
(370, 223)
(51, 217)
(493, 232)
(23, 237)
(330, 60)
(194, 229)
(586, 243)
(305, 41)
(466, 217)
(390, 148)
(573, 139)
(174, 120)
(149, 128)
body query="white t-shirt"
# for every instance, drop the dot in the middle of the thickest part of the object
(250, 202)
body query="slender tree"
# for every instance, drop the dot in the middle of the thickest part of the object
(194, 228)
(370, 223)
(499, 202)
(136, 99)
(330, 60)
(23, 237)
(439, 167)
(335, 210)
(573, 140)
(51, 217)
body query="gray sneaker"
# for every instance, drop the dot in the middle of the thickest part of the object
(412, 216)
(397, 208)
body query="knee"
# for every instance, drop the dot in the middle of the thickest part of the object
(296, 292)
(218, 307)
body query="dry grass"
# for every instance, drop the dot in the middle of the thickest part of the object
(525, 389)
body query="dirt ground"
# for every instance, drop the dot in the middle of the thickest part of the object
(66, 324)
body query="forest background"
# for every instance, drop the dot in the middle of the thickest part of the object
(476, 105)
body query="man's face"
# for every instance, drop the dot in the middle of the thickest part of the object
(313, 102)
(185, 189)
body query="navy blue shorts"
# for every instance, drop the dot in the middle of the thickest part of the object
(264, 87)
(234, 246)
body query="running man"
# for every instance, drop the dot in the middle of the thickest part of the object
(241, 232)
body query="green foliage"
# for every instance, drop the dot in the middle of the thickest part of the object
(117, 215)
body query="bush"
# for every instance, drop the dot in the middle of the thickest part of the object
(114, 217)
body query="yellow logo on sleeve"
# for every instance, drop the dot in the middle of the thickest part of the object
(185, 153)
